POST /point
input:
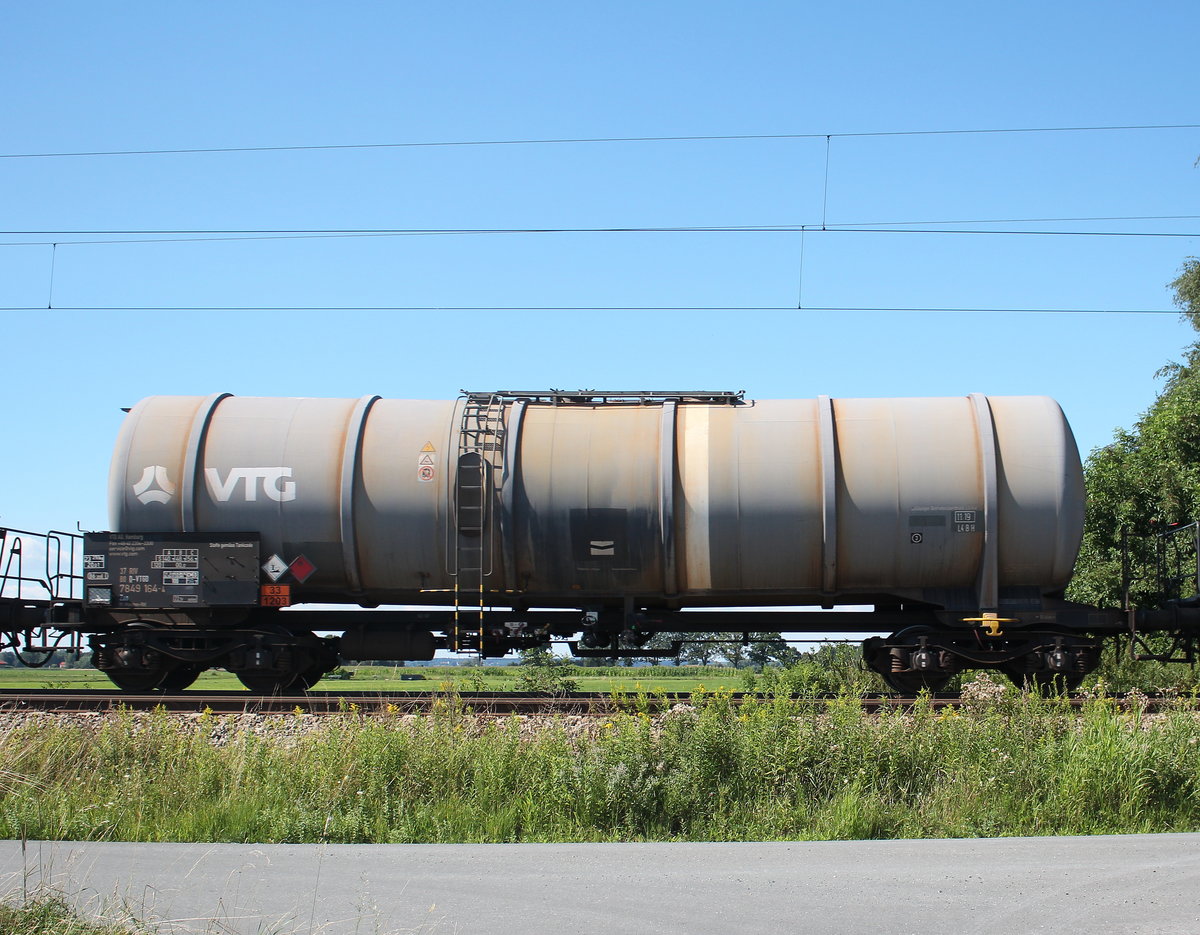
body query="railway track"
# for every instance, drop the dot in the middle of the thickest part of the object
(313, 702)
(484, 703)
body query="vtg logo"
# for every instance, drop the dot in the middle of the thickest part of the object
(154, 486)
(273, 484)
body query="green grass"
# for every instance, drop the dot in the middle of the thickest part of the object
(20, 677)
(776, 770)
(50, 915)
(387, 678)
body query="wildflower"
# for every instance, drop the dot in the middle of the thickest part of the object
(982, 691)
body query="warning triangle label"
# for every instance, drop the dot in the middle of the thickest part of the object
(429, 447)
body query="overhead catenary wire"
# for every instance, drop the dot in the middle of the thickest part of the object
(1126, 217)
(874, 227)
(598, 139)
(217, 235)
(592, 308)
(484, 230)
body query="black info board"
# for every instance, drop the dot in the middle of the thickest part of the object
(176, 570)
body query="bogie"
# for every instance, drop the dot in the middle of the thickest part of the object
(1037, 660)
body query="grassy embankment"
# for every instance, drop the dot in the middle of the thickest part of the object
(780, 769)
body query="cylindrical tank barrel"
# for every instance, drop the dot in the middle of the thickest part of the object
(667, 501)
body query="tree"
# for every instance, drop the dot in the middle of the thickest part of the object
(538, 656)
(716, 646)
(1187, 290)
(702, 653)
(769, 648)
(734, 650)
(1147, 480)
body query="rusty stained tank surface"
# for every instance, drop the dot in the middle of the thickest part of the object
(573, 501)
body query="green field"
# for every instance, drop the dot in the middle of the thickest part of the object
(387, 679)
(828, 671)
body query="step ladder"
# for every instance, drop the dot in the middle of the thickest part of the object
(478, 478)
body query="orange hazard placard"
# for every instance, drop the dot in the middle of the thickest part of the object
(275, 595)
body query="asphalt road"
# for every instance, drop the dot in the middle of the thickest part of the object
(1141, 884)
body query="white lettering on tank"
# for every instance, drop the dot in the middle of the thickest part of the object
(220, 491)
(273, 484)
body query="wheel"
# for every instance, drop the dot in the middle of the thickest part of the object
(326, 660)
(309, 677)
(912, 683)
(180, 678)
(137, 680)
(311, 664)
(268, 683)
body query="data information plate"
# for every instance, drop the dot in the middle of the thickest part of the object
(179, 570)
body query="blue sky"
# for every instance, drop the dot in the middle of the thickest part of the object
(142, 76)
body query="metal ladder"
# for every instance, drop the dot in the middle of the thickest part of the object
(479, 475)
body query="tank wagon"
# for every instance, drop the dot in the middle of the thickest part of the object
(503, 520)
